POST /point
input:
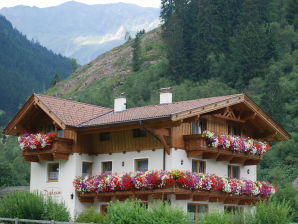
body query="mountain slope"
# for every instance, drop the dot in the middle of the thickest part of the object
(79, 30)
(25, 67)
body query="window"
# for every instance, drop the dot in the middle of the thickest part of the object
(233, 209)
(106, 167)
(104, 208)
(141, 165)
(234, 171)
(234, 130)
(60, 133)
(137, 133)
(196, 211)
(53, 172)
(198, 166)
(105, 136)
(86, 169)
(198, 127)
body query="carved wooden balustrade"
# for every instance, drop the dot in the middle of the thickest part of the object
(161, 194)
(60, 149)
(196, 145)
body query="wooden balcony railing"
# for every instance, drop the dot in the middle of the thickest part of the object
(196, 145)
(161, 194)
(60, 149)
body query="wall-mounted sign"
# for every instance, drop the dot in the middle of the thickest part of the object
(51, 191)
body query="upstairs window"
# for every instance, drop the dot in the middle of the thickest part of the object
(141, 165)
(234, 172)
(137, 133)
(105, 136)
(198, 166)
(234, 130)
(53, 172)
(106, 167)
(60, 133)
(198, 127)
(86, 169)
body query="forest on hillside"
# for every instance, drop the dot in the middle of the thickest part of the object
(25, 67)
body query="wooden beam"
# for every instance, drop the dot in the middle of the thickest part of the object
(252, 162)
(61, 156)
(194, 153)
(48, 157)
(238, 160)
(201, 197)
(210, 155)
(190, 119)
(183, 196)
(223, 157)
(103, 198)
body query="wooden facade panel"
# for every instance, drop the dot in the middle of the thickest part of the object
(216, 125)
(178, 132)
(123, 141)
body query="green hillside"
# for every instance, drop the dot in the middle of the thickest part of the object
(210, 49)
(25, 67)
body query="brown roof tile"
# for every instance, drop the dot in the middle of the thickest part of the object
(153, 111)
(72, 113)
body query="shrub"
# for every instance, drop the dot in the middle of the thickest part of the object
(55, 211)
(91, 215)
(164, 213)
(272, 212)
(27, 205)
(217, 218)
(129, 211)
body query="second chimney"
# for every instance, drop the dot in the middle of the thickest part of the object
(120, 102)
(165, 95)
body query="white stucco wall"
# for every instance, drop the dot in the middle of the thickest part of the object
(71, 168)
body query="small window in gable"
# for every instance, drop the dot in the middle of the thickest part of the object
(234, 130)
(137, 133)
(198, 127)
(105, 136)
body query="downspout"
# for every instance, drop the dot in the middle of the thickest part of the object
(164, 150)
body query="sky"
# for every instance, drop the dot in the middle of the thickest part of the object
(48, 3)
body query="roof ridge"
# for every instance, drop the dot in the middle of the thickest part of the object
(95, 118)
(72, 101)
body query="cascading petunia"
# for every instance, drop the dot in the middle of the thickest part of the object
(36, 141)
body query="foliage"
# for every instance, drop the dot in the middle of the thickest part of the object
(136, 46)
(132, 212)
(218, 218)
(91, 215)
(26, 205)
(25, 67)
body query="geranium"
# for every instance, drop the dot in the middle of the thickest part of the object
(236, 143)
(36, 141)
(151, 180)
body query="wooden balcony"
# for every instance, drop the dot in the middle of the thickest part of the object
(196, 145)
(60, 149)
(161, 194)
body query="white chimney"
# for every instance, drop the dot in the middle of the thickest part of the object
(165, 95)
(120, 102)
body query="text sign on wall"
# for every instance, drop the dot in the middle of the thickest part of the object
(51, 191)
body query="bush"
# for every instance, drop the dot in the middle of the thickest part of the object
(217, 218)
(129, 211)
(91, 215)
(27, 205)
(272, 212)
(164, 213)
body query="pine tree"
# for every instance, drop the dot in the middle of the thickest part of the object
(136, 46)
(55, 80)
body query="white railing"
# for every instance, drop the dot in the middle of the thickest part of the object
(17, 221)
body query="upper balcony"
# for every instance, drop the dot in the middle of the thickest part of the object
(35, 149)
(201, 145)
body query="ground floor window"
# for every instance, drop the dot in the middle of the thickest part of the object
(196, 211)
(198, 166)
(107, 167)
(104, 208)
(86, 169)
(141, 165)
(233, 209)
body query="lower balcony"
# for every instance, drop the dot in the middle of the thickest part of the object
(159, 184)
(161, 194)
(196, 145)
(59, 149)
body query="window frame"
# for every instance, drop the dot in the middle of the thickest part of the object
(197, 208)
(232, 208)
(230, 171)
(136, 164)
(89, 163)
(200, 163)
(139, 133)
(199, 126)
(102, 166)
(48, 172)
(105, 136)
(232, 127)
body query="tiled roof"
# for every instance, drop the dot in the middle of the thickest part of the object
(72, 113)
(153, 111)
